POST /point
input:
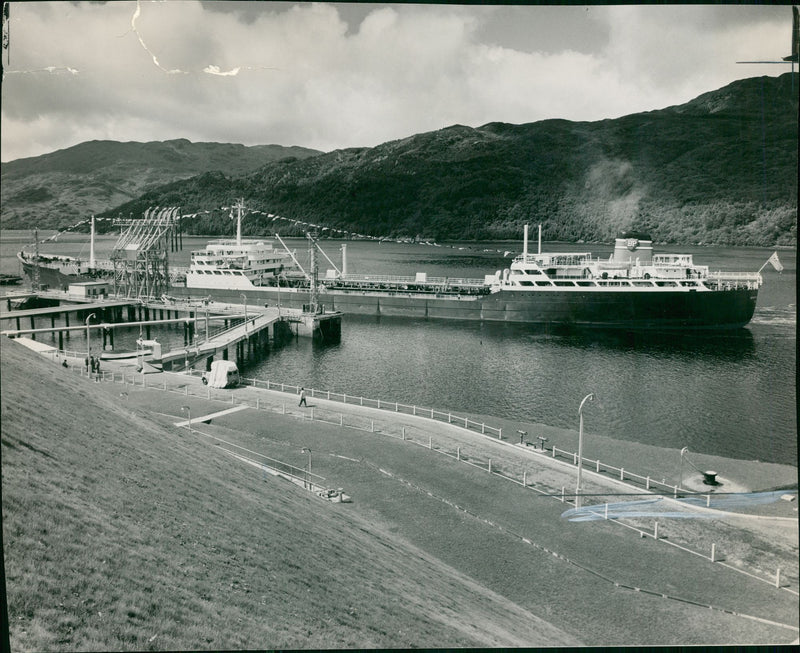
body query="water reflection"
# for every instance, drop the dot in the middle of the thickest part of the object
(722, 344)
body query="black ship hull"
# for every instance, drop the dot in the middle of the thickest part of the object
(607, 308)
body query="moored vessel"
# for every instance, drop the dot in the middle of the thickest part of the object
(633, 288)
(52, 271)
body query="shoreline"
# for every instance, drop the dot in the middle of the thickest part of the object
(660, 463)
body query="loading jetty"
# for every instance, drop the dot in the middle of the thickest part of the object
(210, 329)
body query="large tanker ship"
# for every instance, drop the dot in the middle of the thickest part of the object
(633, 288)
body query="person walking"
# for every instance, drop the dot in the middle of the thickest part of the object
(303, 398)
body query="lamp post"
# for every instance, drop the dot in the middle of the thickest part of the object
(189, 415)
(88, 338)
(589, 397)
(308, 475)
(684, 451)
(244, 298)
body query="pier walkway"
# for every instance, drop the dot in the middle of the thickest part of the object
(253, 331)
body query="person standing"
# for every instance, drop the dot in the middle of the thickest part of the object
(303, 398)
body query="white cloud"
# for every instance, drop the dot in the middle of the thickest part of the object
(301, 75)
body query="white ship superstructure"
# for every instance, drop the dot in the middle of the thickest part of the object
(632, 266)
(235, 264)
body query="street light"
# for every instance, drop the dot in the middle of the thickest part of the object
(88, 339)
(189, 414)
(589, 397)
(244, 297)
(308, 475)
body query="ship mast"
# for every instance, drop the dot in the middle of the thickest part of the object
(35, 283)
(91, 246)
(239, 206)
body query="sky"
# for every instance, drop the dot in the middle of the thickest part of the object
(330, 76)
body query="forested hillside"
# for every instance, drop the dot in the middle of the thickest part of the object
(66, 186)
(719, 169)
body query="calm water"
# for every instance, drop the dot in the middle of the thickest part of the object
(725, 393)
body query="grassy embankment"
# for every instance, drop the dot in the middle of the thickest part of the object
(119, 533)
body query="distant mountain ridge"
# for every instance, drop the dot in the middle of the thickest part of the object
(64, 186)
(721, 169)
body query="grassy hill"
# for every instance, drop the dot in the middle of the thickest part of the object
(120, 533)
(719, 169)
(65, 186)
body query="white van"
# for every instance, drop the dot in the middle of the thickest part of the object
(223, 374)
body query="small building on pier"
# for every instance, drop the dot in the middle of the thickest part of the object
(87, 289)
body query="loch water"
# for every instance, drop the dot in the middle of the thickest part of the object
(728, 392)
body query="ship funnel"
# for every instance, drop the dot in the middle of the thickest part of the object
(631, 246)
